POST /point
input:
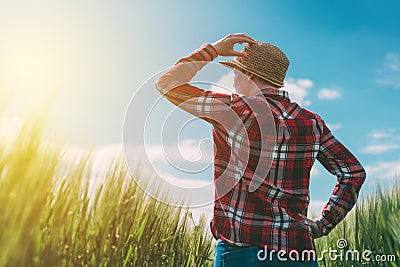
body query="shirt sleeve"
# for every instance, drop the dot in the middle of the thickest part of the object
(174, 85)
(338, 160)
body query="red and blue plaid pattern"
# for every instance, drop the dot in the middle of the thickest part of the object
(268, 216)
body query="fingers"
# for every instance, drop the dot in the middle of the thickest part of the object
(237, 53)
(225, 46)
(241, 37)
(317, 233)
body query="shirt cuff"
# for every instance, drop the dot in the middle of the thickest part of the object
(323, 225)
(210, 51)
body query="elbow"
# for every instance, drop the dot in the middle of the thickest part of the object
(363, 175)
(358, 171)
(362, 172)
(163, 84)
(159, 86)
(360, 175)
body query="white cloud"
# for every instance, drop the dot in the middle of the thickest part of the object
(73, 155)
(100, 160)
(382, 133)
(305, 83)
(105, 155)
(382, 140)
(186, 150)
(315, 171)
(383, 169)
(379, 148)
(393, 62)
(101, 157)
(191, 150)
(389, 73)
(335, 127)
(184, 182)
(298, 90)
(329, 94)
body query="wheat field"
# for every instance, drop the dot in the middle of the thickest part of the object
(52, 213)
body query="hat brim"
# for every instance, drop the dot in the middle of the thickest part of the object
(236, 65)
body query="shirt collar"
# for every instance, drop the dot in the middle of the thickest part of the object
(275, 93)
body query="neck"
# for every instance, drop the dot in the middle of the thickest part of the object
(255, 86)
(267, 86)
(259, 87)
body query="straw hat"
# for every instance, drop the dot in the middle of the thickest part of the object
(263, 60)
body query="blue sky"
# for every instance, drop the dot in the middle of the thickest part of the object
(92, 56)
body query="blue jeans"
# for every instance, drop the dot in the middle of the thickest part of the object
(226, 255)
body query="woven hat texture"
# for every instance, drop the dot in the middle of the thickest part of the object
(263, 60)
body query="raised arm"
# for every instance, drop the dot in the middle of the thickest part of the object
(204, 104)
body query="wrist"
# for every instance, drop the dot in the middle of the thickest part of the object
(214, 49)
(211, 50)
(321, 226)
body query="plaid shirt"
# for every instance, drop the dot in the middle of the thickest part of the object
(270, 214)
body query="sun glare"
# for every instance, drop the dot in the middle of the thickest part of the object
(32, 68)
